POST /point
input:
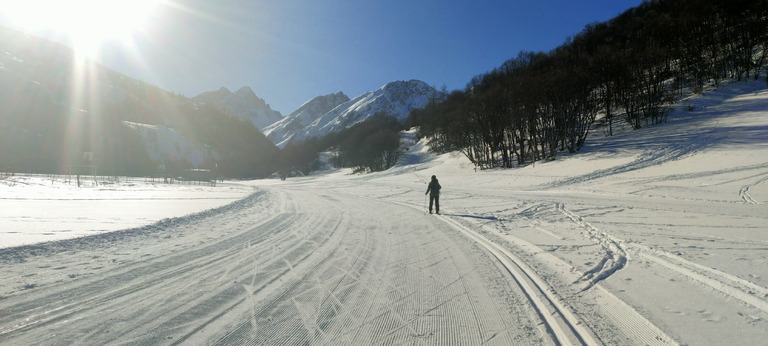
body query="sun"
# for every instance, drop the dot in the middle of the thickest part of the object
(85, 24)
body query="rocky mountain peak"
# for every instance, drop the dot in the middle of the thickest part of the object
(325, 114)
(243, 104)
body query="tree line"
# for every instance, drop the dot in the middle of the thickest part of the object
(630, 67)
(369, 146)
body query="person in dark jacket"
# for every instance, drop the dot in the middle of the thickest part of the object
(433, 189)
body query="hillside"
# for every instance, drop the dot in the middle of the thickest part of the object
(54, 109)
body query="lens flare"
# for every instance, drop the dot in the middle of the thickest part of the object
(86, 24)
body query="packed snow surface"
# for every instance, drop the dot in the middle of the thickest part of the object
(656, 236)
(38, 209)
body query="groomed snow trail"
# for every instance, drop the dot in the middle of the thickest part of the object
(289, 266)
(634, 241)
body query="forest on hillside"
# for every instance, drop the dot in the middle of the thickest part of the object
(54, 111)
(49, 136)
(629, 68)
(369, 146)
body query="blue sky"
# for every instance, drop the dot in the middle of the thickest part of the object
(290, 51)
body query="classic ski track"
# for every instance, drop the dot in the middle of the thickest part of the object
(626, 317)
(742, 290)
(565, 327)
(269, 260)
(727, 284)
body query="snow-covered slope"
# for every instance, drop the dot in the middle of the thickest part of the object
(165, 144)
(243, 104)
(395, 98)
(649, 237)
(284, 129)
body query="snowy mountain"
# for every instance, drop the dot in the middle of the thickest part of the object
(304, 116)
(243, 104)
(315, 118)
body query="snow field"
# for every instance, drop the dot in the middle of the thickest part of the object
(36, 209)
(651, 237)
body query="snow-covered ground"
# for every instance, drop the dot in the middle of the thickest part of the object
(656, 236)
(36, 209)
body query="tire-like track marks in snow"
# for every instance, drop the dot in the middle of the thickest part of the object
(617, 251)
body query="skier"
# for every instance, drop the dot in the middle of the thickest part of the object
(433, 189)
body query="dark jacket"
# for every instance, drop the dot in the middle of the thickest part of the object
(434, 188)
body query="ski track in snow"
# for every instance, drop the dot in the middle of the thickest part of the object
(615, 251)
(744, 191)
(560, 321)
(633, 250)
(281, 272)
(617, 257)
(276, 271)
(633, 325)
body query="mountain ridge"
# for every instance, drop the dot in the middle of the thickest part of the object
(131, 127)
(243, 104)
(396, 98)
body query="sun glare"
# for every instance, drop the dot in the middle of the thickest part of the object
(85, 23)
